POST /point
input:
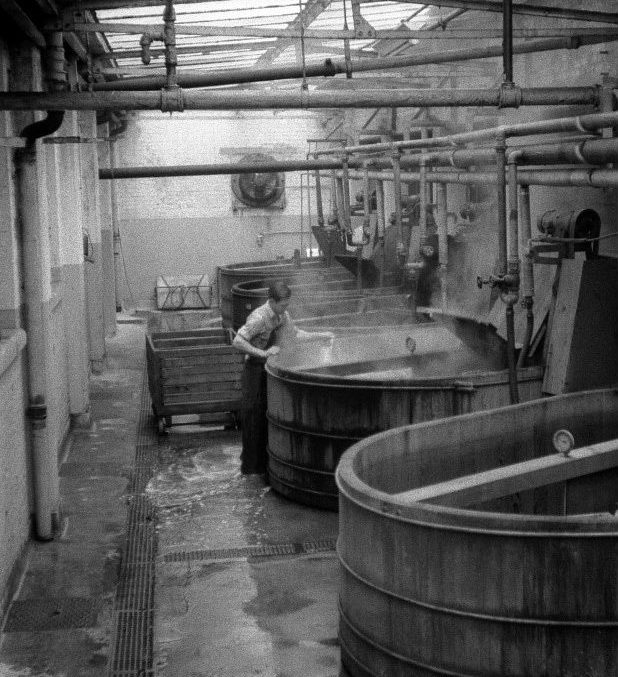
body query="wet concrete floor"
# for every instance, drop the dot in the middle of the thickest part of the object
(245, 581)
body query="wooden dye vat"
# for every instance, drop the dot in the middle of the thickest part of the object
(303, 269)
(322, 400)
(312, 300)
(509, 572)
(193, 372)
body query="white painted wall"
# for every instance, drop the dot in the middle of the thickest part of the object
(185, 226)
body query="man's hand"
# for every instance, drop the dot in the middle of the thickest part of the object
(273, 350)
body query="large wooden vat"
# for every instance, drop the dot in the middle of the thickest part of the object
(321, 400)
(295, 269)
(521, 586)
(311, 300)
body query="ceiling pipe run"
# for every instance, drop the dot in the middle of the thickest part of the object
(331, 67)
(594, 152)
(590, 178)
(511, 97)
(581, 123)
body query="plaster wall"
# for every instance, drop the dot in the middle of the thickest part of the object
(14, 456)
(186, 226)
(14, 500)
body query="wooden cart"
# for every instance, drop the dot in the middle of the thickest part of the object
(194, 371)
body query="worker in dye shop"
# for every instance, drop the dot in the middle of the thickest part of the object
(259, 338)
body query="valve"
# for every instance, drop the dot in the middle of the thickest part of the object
(503, 282)
(489, 281)
(507, 284)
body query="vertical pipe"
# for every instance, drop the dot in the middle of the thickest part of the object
(37, 288)
(333, 196)
(345, 175)
(169, 39)
(513, 225)
(381, 226)
(340, 202)
(500, 150)
(507, 41)
(318, 199)
(396, 162)
(525, 236)
(309, 215)
(115, 227)
(441, 211)
(366, 222)
(302, 215)
(502, 263)
(422, 217)
(527, 286)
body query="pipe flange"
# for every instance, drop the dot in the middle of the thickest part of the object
(172, 100)
(510, 96)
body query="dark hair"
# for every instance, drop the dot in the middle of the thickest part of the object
(278, 291)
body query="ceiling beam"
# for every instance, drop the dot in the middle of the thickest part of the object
(327, 34)
(237, 48)
(311, 11)
(557, 11)
(16, 16)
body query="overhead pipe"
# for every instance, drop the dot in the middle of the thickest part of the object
(301, 99)
(331, 67)
(580, 123)
(590, 177)
(593, 152)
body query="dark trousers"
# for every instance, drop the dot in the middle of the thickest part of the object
(254, 457)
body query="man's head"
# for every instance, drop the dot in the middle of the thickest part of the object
(279, 295)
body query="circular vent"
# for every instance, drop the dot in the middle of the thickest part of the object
(258, 189)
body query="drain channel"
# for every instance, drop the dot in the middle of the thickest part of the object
(132, 645)
(272, 550)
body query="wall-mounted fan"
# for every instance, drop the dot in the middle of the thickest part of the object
(258, 190)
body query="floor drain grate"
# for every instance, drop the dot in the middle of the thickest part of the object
(274, 550)
(132, 646)
(37, 615)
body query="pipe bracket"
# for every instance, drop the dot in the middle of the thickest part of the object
(510, 96)
(172, 100)
(37, 411)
